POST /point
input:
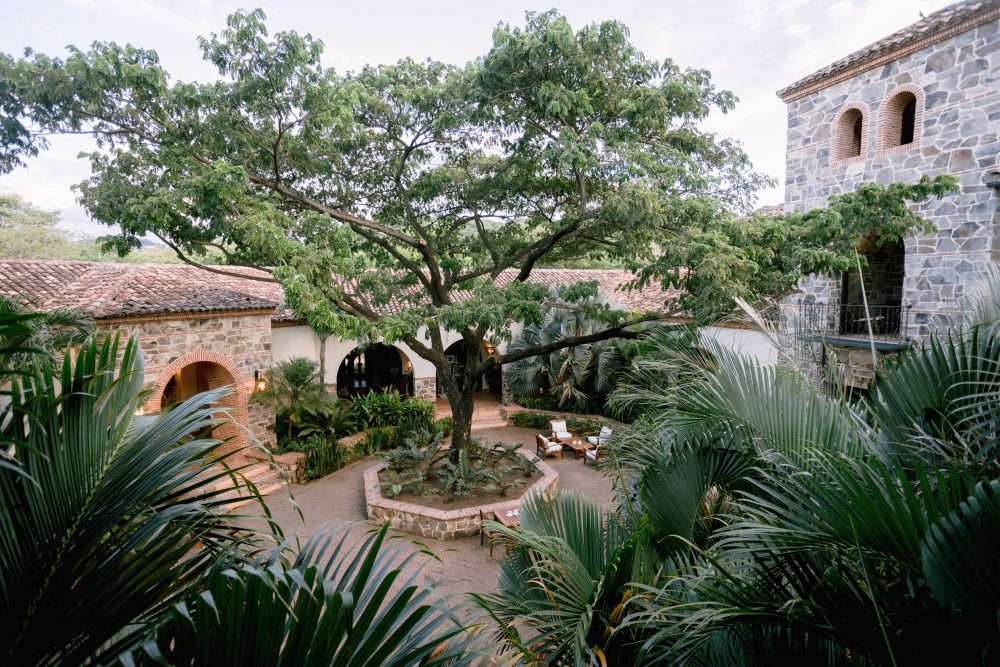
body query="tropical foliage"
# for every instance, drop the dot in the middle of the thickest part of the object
(130, 531)
(421, 468)
(760, 521)
(39, 336)
(576, 377)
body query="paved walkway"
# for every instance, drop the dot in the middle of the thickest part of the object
(465, 566)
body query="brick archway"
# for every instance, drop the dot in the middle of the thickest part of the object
(220, 371)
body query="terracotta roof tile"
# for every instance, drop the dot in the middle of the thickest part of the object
(107, 290)
(926, 27)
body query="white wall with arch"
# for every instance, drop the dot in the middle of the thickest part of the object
(299, 341)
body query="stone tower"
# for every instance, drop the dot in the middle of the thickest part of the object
(924, 100)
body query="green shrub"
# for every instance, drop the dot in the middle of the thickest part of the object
(323, 455)
(379, 438)
(444, 426)
(540, 421)
(389, 408)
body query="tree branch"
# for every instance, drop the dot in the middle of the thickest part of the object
(207, 267)
(619, 331)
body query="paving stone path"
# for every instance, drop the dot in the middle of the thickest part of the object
(465, 566)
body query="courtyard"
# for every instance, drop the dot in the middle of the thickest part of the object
(465, 565)
(323, 386)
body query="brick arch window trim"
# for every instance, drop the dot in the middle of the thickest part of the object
(234, 431)
(890, 119)
(842, 136)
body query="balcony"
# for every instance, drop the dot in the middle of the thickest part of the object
(852, 325)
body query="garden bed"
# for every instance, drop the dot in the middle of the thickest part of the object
(419, 518)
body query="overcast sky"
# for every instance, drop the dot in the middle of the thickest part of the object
(752, 47)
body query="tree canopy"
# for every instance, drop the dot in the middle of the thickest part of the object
(423, 194)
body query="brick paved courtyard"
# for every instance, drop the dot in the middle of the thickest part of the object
(465, 566)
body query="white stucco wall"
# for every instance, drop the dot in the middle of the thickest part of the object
(300, 341)
(748, 342)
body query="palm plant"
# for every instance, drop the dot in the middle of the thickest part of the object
(95, 501)
(43, 335)
(294, 391)
(571, 374)
(338, 603)
(857, 537)
(790, 526)
(125, 528)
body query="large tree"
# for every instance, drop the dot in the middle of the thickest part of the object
(408, 200)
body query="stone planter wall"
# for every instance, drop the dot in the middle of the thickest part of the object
(441, 524)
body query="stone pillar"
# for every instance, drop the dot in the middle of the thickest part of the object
(425, 388)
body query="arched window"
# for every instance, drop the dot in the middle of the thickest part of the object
(899, 119)
(850, 134)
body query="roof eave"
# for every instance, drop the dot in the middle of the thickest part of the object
(810, 84)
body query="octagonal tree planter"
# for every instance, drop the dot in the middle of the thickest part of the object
(442, 524)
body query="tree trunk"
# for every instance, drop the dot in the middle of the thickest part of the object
(461, 398)
(322, 361)
(461, 414)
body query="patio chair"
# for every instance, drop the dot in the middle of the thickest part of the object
(560, 431)
(487, 534)
(594, 455)
(545, 447)
(598, 438)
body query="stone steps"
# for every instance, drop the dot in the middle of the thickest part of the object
(265, 477)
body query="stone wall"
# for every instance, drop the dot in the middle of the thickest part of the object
(240, 343)
(442, 524)
(425, 388)
(957, 85)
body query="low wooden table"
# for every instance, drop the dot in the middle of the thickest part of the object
(578, 446)
(509, 518)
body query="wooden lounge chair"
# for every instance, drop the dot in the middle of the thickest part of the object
(487, 534)
(560, 432)
(598, 438)
(545, 447)
(594, 455)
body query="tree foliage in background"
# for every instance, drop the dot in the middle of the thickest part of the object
(421, 194)
(28, 232)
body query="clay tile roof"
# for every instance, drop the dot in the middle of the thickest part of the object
(106, 290)
(109, 290)
(953, 19)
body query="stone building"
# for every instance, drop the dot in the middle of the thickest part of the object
(924, 100)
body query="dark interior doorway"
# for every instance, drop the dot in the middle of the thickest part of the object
(377, 367)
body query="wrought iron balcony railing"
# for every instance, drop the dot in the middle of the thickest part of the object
(884, 323)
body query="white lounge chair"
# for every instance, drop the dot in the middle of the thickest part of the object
(559, 430)
(545, 447)
(599, 438)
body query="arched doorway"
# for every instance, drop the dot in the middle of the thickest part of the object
(204, 371)
(376, 367)
(457, 355)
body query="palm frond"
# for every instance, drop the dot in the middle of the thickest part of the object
(102, 501)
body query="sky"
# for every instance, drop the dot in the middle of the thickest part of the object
(752, 47)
